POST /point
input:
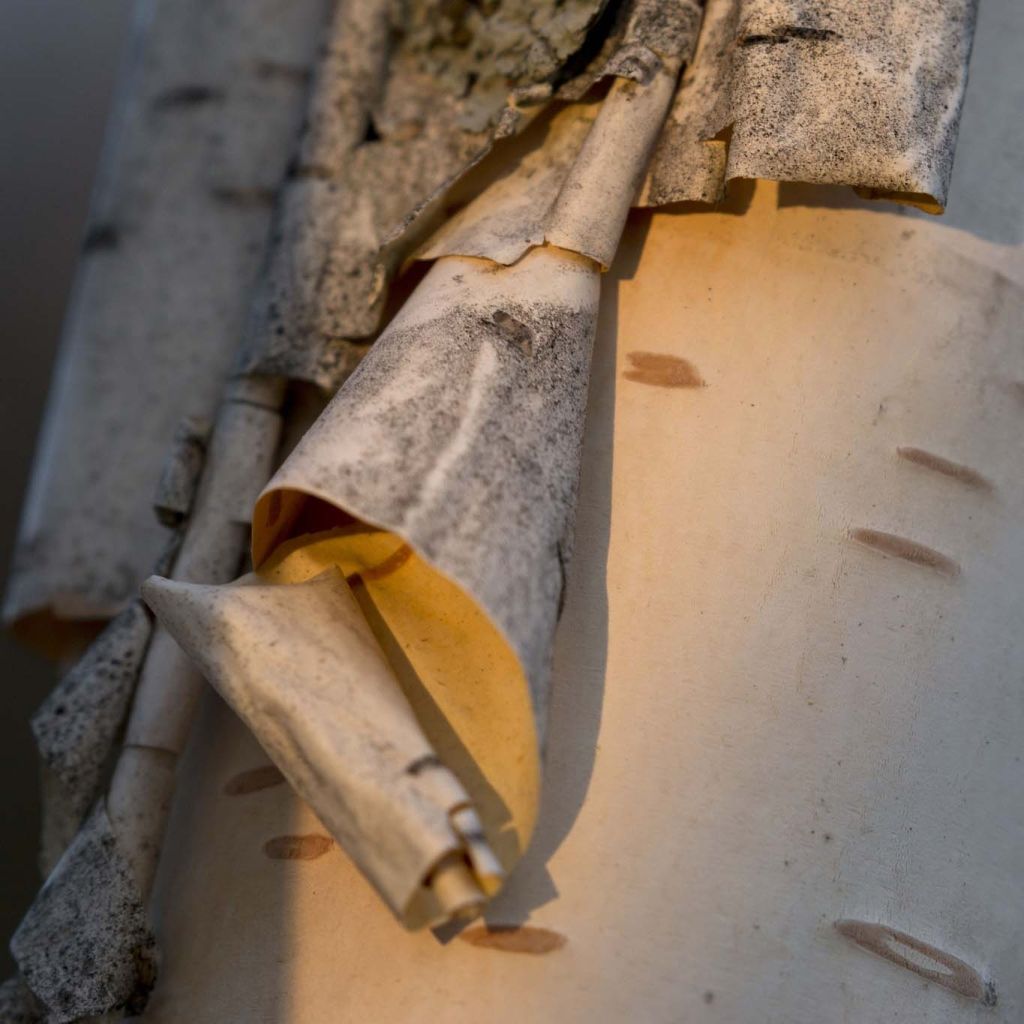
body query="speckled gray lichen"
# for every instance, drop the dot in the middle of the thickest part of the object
(85, 947)
(853, 93)
(482, 52)
(77, 726)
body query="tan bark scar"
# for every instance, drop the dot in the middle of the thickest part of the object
(920, 957)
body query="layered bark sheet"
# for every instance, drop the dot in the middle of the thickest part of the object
(208, 109)
(864, 93)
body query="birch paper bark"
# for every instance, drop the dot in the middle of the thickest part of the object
(114, 946)
(700, 839)
(850, 92)
(459, 436)
(208, 108)
(420, 447)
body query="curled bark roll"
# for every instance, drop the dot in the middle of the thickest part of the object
(441, 481)
(302, 667)
(843, 93)
(455, 445)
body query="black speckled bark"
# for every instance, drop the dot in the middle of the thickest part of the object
(461, 432)
(77, 726)
(85, 948)
(850, 92)
(398, 111)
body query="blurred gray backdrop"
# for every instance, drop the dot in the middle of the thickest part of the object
(59, 61)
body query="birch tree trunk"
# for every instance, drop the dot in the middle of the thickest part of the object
(787, 719)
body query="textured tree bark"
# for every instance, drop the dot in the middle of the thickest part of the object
(208, 111)
(786, 718)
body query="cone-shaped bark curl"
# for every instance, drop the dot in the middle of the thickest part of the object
(460, 433)
(302, 667)
(442, 481)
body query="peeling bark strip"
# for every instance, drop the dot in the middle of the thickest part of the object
(954, 470)
(425, 468)
(663, 371)
(947, 970)
(575, 190)
(843, 93)
(254, 780)
(514, 938)
(394, 119)
(301, 667)
(297, 847)
(908, 550)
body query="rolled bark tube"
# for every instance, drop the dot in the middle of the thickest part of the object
(303, 669)
(454, 448)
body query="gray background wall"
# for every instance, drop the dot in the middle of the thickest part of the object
(58, 64)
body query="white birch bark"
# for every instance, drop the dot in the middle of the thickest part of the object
(786, 715)
(209, 109)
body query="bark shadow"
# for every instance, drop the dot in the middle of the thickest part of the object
(581, 645)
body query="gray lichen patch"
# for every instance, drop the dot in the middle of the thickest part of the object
(483, 52)
(85, 947)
